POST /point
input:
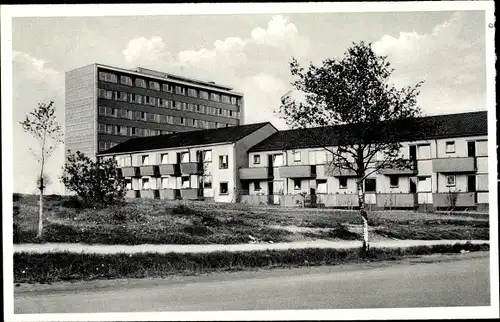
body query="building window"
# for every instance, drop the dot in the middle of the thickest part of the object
(133, 131)
(296, 156)
(256, 159)
(234, 101)
(214, 97)
(223, 162)
(180, 90)
(224, 190)
(108, 77)
(370, 185)
(137, 99)
(109, 129)
(190, 107)
(342, 182)
(207, 156)
(394, 181)
(450, 147)
(125, 80)
(122, 96)
(102, 146)
(143, 115)
(151, 101)
(297, 184)
(225, 99)
(144, 159)
(256, 186)
(230, 113)
(450, 180)
(105, 94)
(117, 129)
(102, 128)
(140, 82)
(184, 157)
(129, 184)
(145, 183)
(192, 92)
(167, 88)
(154, 85)
(207, 182)
(183, 121)
(203, 95)
(185, 183)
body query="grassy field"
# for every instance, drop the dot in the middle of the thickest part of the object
(180, 222)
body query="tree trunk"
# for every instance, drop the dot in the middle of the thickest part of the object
(40, 211)
(364, 215)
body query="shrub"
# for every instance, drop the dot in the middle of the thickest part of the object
(16, 197)
(96, 182)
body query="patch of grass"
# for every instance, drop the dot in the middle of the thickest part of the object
(434, 232)
(65, 266)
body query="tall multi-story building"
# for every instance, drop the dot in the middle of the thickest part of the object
(260, 165)
(107, 105)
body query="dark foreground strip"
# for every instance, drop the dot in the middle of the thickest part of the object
(66, 266)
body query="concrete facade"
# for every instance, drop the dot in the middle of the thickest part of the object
(107, 105)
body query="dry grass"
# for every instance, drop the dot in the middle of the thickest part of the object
(193, 222)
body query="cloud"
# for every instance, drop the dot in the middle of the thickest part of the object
(33, 83)
(146, 51)
(452, 67)
(281, 34)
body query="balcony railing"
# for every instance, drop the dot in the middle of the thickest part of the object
(190, 193)
(254, 173)
(129, 172)
(170, 194)
(149, 194)
(396, 200)
(191, 168)
(298, 171)
(332, 170)
(410, 168)
(149, 170)
(169, 169)
(445, 199)
(454, 165)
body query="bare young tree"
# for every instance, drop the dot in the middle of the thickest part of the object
(349, 109)
(43, 126)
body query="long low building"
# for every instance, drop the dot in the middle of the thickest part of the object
(257, 164)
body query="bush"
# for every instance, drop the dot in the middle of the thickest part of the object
(16, 197)
(95, 182)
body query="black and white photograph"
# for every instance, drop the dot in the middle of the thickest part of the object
(249, 161)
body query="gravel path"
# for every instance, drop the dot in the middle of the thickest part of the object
(114, 249)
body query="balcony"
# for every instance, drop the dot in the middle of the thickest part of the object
(334, 171)
(128, 172)
(397, 200)
(454, 165)
(149, 170)
(464, 199)
(169, 169)
(190, 193)
(131, 194)
(191, 168)
(169, 194)
(149, 194)
(409, 170)
(298, 171)
(259, 173)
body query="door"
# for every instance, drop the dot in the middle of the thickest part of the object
(413, 185)
(313, 197)
(270, 168)
(471, 185)
(270, 193)
(413, 152)
(471, 148)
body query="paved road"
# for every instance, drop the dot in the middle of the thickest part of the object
(112, 249)
(459, 280)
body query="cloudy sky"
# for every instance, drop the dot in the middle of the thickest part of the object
(247, 52)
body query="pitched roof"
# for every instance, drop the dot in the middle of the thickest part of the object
(429, 127)
(182, 139)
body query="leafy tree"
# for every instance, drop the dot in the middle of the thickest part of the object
(96, 182)
(42, 125)
(354, 102)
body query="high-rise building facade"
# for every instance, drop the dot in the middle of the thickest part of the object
(107, 105)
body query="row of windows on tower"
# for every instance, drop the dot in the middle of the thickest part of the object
(165, 103)
(159, 118)
(129, 130)
(165, 87)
